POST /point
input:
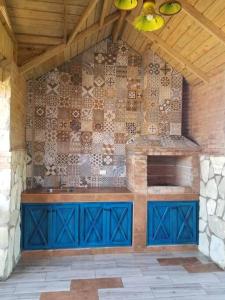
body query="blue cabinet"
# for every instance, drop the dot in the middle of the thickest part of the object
(172, 222)
(106, 224)
(92, 225)
(35, 226)
(119, 216)
(64, 233)
(71, 225)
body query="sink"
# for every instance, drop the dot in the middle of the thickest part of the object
(63, 190)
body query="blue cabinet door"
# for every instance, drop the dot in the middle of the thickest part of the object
(65, 223)
(119, 224)
(185, 223)
(159, 223)
(172, 222)
(92, 225)
(36, 222)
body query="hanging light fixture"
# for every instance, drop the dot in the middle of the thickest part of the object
(125, 4)
(149, 20)
(170, 8)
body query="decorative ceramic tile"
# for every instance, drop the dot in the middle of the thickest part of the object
(38, 158)
(86, 138)
(50, 170)
(107, 160)
(108, 149)
(175, 128)
(119, 149)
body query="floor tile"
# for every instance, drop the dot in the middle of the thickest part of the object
(98, 283)
(202, 268)
(177, 261)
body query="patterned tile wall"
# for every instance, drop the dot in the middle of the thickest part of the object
(81, 115)
(162, 101)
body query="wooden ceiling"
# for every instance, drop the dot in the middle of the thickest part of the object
(49, 32)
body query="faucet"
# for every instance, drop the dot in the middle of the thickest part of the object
(61, 184)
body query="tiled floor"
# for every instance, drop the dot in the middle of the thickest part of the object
(143, 277)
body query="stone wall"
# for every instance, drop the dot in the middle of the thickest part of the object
(12, 183)
(12, 169)
(212, 208)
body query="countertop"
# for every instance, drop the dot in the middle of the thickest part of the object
(77, 195)
(99, 194)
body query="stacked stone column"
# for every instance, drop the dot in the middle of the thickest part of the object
(212, 208)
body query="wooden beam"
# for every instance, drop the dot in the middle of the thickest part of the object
(204, 22)
(38, 39)
(65, 22)
(82, 20)
(118, 26)
(173, 53)
(4, 62)
(4, 18)
(37, 61)
(104, 12)
(96, 27)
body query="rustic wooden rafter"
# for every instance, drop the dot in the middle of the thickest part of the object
(82, 20)
(204, 22)
(104, 12)
(172, 53)
(4, 62)
(38, 60)
(65, 22)
(4, 18)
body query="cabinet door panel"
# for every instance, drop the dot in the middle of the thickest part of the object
(36, 221)
(185, 223)
(119, 224)
(93, 224)
(159, 223)
(65, 225)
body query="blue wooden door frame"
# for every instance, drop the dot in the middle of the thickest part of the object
(92, 225)
(36, 227)
(65, 220)
(181, 226)
(119, 223)
(159, 230)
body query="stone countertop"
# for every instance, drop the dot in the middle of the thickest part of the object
(76, 195)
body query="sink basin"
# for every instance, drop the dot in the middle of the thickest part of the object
(63, 190)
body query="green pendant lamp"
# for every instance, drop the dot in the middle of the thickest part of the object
(148, 20)
(125, 4)
(170, 8)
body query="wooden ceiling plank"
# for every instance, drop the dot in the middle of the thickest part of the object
(38, 39)
(82, 20)
(118, 26)
(37, 61)
(204, 22)
(173, 53)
